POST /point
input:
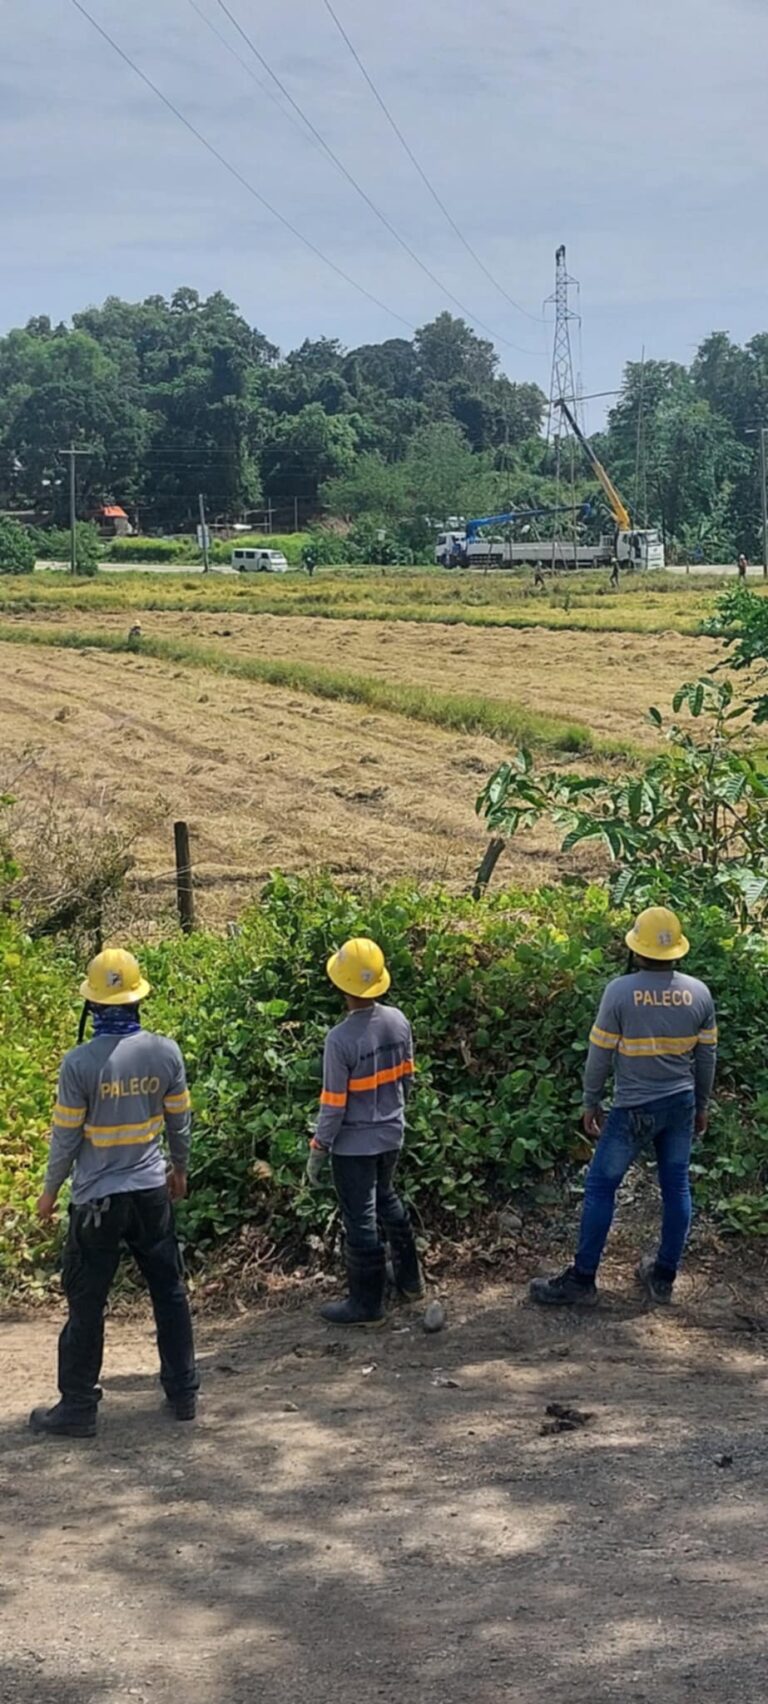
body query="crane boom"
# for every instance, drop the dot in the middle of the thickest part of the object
(616, 502)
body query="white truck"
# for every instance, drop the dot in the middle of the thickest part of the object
(632, 547)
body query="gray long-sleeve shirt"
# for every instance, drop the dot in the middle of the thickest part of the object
(367, 1078)
(657, 1030)
(116, 1095)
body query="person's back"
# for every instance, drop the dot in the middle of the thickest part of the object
(656, 1030)
(654, 1021)
(367, 1079)
(119, 1091)
(116, 1094)
(368, 1061)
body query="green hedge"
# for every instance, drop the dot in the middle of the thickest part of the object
(186, 550)
(501, 995)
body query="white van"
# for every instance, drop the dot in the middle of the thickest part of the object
(259, 561)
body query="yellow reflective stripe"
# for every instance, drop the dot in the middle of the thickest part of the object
(69, 1116)
(105, 1135)
(122, 1141)
(178, 1103)
(603, 1038)
(708, 1037)
(649, 1046)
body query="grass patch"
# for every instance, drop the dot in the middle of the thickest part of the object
(462, 712)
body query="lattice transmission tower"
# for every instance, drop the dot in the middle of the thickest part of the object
(563, 387)
(563, 383)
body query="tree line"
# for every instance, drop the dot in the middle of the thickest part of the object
(169, 398)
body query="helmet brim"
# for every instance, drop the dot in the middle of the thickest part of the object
(341, 978)
(125, 997)
(665, 955)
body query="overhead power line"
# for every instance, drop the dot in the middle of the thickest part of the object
(359, 190)
(211, 149)
(405, 144)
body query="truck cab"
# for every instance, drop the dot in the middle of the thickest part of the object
(450, 549)
(640, 548)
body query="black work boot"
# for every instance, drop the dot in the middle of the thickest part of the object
(658, 1286)
(64, 1421)
(183, 1407)
(406, 1270)
(366, 1277)
(569, 1289)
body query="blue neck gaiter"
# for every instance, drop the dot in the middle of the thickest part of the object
(115, 1020)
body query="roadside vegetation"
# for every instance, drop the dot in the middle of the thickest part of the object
(501, 989)
(667, 603)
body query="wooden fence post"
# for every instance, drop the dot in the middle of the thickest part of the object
(185, 896)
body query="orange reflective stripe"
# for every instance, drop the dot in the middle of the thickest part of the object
(393, 1074)
(329, 1099)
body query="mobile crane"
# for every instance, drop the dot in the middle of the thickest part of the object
(632, 547)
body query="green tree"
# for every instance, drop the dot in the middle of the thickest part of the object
(17, 550)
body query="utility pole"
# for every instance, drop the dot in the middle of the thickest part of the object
(71, 455)
(761, 433)
(203, 531)
(764, 494)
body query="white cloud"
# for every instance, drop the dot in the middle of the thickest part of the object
(633, 130)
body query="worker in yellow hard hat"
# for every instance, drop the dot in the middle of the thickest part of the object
(367, 1079)
(656, 1030)
(118, 1093)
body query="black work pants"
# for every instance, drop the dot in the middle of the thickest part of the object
(143, 1220)
(367, 1196)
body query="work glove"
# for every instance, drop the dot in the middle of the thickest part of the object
(318, 1157)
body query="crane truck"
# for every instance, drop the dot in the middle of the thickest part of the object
(630, 546)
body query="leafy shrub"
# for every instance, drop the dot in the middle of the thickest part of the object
(160, 550)
(292, 545)
(694, 821)
(17, 549)
(501, 995)
(53, 544)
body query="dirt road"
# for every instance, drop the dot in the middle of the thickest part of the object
(346, 1523)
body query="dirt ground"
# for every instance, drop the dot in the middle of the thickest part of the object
(382, 1518)
(606, 680)
(265, 776)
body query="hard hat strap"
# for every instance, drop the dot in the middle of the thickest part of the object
(82, 1024)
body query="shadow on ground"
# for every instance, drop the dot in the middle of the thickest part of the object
(382, 1518)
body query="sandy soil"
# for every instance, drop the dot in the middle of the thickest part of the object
(606, 680)
(265, 776)
(346, 1523)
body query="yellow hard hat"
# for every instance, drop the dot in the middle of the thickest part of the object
(358, 968)
(114, 979)
(657, 934)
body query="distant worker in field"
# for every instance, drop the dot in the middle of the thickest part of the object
(538, 577)
(310, 560)
(367, 1079)
(657, 1029)
(134, 635)
(742, 567)
(116, 1093)
(614, 580)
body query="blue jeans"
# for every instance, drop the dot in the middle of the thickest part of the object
(669, 1125)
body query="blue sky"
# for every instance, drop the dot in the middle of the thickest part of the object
(635, 131)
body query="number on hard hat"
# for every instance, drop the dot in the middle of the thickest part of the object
(114, 979)
(358, 968)
(657, 934)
